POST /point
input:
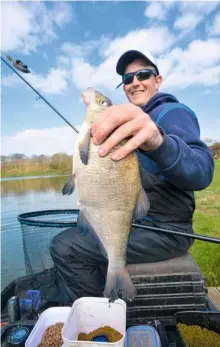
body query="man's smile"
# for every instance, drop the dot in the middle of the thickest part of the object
(137, 92)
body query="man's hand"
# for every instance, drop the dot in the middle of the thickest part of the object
(123, 121)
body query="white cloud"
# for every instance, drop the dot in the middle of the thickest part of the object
(179, 67)
(61, 13)
(155, 11)
(83, 73)
(55, 82)
(202, 53)
(198, 7)
(85, 48)
(63, 61)
(187, 21)
(193, 13)
(199, 60)
(158, 10)
(72, 49)
(181, 78)
(215, 27)
(198, 64)
(141, 38)
(27, 25)
(167, 61)
(16, 27)
(40, 141)
(104, 75)
(11, 81)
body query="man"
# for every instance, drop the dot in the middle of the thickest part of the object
(174, 162)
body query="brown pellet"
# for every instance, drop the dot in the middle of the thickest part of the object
(52, 336)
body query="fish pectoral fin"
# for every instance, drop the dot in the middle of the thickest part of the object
(85, 228)
(83, 225)
(84, 142)
(142, 205)
(103, 250)
(69, 187)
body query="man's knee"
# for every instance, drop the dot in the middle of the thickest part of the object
(60, 244)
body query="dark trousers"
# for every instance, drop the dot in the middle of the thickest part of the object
(81, 267)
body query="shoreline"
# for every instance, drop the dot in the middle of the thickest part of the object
(5, 179)
(35, 174)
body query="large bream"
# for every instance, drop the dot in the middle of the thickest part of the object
(109, 195)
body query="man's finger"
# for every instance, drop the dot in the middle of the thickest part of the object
(131, 145)
(123, 132)
(107, 125)
(102, 116)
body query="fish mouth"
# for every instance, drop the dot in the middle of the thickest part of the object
(88, 95)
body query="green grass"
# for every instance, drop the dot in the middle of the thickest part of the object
(207, 222)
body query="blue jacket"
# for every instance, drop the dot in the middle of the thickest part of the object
(181, 165)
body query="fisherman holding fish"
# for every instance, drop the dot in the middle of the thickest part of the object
(136, 162)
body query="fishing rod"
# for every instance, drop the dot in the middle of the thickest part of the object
(41, 96)
(179, 233)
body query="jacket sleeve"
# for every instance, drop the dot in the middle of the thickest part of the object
(183, 158)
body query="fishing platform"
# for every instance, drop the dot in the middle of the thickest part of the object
(164, 289)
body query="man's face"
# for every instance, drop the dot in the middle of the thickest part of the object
(140, 92)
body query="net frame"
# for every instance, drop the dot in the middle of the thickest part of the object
(38, 232)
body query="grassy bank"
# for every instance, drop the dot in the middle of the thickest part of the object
(19, 165)
(36, 173)
(207, 222)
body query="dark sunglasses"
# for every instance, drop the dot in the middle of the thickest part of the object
(143, 74)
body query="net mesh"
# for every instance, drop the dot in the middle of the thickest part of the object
(38, 230)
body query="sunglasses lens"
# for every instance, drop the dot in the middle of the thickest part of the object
(127, 79)
(143, 75)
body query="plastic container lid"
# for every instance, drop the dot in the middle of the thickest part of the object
(142, 336)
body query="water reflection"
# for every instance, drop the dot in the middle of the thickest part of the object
(26, 186)
(20, 196)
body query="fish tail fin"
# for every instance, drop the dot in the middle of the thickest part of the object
(69, 187)
(119, 281)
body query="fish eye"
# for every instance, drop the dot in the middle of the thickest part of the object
(103, 102)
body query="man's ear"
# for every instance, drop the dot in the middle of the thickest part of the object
(159, 80)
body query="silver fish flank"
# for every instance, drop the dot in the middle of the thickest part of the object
(110, 195)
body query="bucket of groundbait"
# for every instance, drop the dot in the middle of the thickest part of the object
(90, 313)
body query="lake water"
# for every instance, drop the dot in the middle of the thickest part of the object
(22, 195)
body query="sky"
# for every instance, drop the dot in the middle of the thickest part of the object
(69, 46)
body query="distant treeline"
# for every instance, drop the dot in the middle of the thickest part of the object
(59, 163)
(21, 165)
(215, 148)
